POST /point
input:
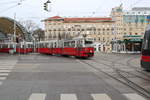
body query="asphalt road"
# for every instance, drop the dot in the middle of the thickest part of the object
(45, 77)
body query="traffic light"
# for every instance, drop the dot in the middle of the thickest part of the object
(46, 6)
(48, 1)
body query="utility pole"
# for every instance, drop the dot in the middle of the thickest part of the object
(14, 37)
(14, 27)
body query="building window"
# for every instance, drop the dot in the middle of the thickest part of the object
(136, 33)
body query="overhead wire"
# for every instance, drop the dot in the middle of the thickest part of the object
(4, 10)
(18, 3)
(11, 2)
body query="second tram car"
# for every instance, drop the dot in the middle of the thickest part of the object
(145, 58)
(6, 47)
(23, 47)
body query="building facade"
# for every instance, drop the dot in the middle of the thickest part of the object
(121, 32)
(130, 26)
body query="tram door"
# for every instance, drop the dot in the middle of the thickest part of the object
(79, 47)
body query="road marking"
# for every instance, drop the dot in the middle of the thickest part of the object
(4, 74)
(134, 96)
(37, 96)
(2, 78)
(1, 83)
(101, 97)
(4, 67)
(68, 97)
(6, 71)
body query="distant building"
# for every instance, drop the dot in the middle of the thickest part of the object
(130, 27)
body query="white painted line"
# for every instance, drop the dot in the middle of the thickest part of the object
(2, 78)
(134, 96)
(100, 97)
(5, 71)
(1, 83)
(68, 97)
(37, 96)
(6, 68)
(4, 74)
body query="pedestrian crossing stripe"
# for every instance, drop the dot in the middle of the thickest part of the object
(42, 96)
(101, 97)
(1, 83)
(134, 96)
(5, 71)
(37, 96)
(4, 74)
(2, 78)
(68, 97)
(6, 68)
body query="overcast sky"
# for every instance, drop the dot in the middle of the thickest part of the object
(33, 9)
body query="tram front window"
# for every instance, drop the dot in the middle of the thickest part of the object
(88, 42)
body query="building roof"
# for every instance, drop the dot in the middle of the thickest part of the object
(88, 19)
(55, 17)
(7, 27)
(74, 19)
(141, 9)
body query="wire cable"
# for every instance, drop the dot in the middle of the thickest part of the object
(4, 10)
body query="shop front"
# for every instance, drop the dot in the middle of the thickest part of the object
(129, 44)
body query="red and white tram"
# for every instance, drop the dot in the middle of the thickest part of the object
(23, 47)
(78, 47)
(6, 47)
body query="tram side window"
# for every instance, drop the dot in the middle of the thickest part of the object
(51, 45)
(146, 42)
(73, 44)
(11, 45)
(46, 45)
(80, 43)
(66, 44)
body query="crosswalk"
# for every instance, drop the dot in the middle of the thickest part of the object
(6, 67)
(102, 96)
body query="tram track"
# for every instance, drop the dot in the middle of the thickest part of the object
(133, 74)
(122, 78)
(138, 70)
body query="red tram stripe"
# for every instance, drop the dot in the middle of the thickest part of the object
(146, 58)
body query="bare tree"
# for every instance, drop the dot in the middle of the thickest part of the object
(29, 25)
(39, 34)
